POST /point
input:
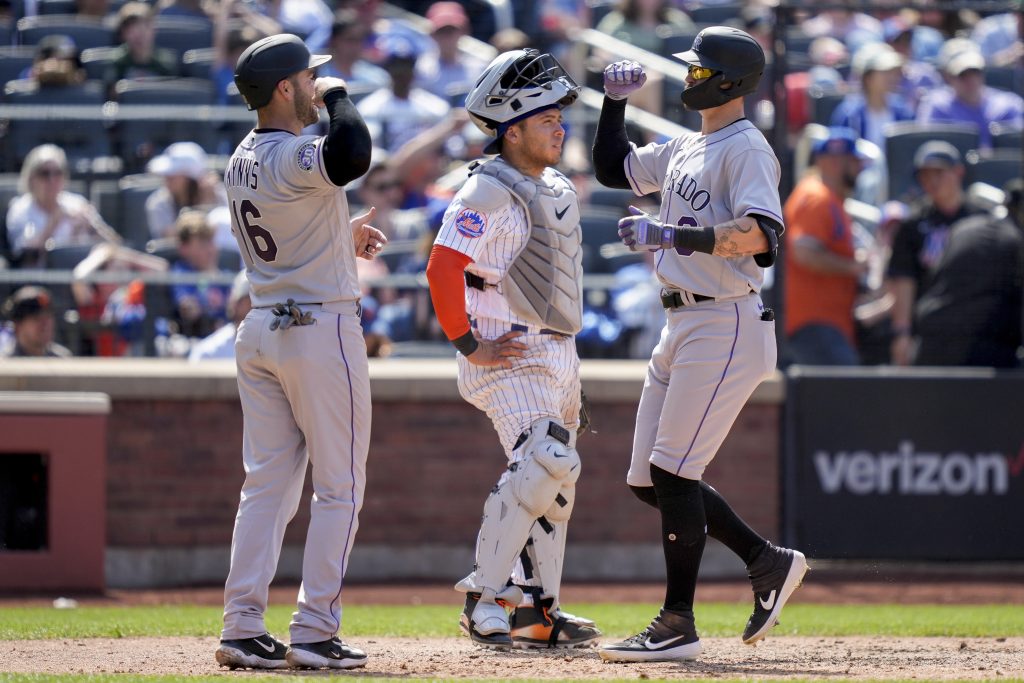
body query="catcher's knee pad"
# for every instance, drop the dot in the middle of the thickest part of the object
(547, 464)
(561, 509)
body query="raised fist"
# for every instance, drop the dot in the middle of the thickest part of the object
(623, 78)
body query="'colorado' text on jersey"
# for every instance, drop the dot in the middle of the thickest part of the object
(706, 181)
(301, 250)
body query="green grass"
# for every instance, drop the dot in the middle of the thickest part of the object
(713, 619)
(120, 678)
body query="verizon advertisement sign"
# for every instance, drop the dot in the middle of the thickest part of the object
(911, 466)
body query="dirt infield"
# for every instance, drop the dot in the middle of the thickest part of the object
(784, 657)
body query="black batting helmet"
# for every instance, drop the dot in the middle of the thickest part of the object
(267, 62)
(735, 57)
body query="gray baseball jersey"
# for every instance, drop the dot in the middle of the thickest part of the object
(712, 354)
(304, 389)
(290, 220)
(705, 181)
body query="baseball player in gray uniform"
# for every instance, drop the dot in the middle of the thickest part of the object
(302, 370)
(505, 277)
(718, 227)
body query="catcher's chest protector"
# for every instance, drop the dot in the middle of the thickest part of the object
(544, 284)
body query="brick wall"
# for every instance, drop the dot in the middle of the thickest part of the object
(174, 473)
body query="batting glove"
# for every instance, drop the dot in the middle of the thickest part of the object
(622, 78)
(643, 232)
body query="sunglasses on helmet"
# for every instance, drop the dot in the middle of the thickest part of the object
(699, 73)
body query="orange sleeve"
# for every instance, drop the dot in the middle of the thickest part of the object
(807, 213)
(445, 273)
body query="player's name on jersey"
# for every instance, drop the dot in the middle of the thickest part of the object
(242, 172)
(686, 187)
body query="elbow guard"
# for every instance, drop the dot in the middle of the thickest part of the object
(771, 229)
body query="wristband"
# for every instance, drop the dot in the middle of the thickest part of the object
(466, 344)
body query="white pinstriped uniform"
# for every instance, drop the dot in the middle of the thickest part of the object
(305, 390)
(545, 382)
(712, 354)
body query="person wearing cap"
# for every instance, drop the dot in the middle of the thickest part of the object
(188, 183)
(904, 35)
(1000, 37)
(397, 114)
(967, 99)
(446, 72)
(45, 215)
(971, 313)
(221, 343)
(57, 63)
(867, 112)
(199, 308)
(137, 55)
(348, 38)
(823, 269)
(920, 240)
(31, 311)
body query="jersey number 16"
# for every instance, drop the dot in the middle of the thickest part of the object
(253, 234)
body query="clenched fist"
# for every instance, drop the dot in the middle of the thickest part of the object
(623, 78)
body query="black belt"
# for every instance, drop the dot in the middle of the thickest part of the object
(475, 281)
(675, 299)
(516, 327)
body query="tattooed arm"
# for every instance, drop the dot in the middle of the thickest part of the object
(739, 237)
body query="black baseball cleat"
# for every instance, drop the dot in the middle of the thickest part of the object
(774, 575)
(261, 652)
(327, 654)
(672, 636)
(538, 626)
(499, 640)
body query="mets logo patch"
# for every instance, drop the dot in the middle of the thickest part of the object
(470, 223)
(306, 156)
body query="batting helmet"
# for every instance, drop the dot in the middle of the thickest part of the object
(515, 85)
(269, 61)
(735, 57)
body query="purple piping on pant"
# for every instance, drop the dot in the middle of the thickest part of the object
(735, 337)
(352, 471)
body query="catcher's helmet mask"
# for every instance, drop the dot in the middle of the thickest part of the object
(269, 61)
(514, 86)
(735, 57)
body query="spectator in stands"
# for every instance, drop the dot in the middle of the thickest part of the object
(137, 55)
(823, 270)
(920, 241)
(643, 23)
(111, 314)
(309, 19)
(236, 26)
(1001, 37)
(92, 8)
(867, 112)
(381, 188)
(221, 343)
(967, 99)
(855, 29)
(348, 37)
(917, 76)
(188, 183)
(45, 215)
(971, 313)
(199, 308)
(31, 311)
(446, 72)
(423, 160)
(57, 63)
(508, 39)
(396, 115)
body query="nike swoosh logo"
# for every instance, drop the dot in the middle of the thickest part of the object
(559, 214)
(268, 648)
(657, 646)
(769, 603)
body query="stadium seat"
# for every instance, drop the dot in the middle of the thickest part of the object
(182, 34)
(197, 63)
(902, 140)
(55, 7)
(81, 139)
(190, 91)
(134, 190)
(1004, 78)
(715, 14)
(822, 104)
(85, 31)
(599, 225)
(27, 91)
(1005, 136)
(140, 136)
(96, 60)
(995, 167)
(14, 60)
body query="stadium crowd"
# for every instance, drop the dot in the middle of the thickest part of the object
(899, 129)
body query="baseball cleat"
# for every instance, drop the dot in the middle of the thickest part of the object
(774, 575)
(486, 625)
(539, 626)
(672, 636)
(327, 654)
(261, 652)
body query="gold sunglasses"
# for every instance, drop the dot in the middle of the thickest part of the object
(699, 73)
